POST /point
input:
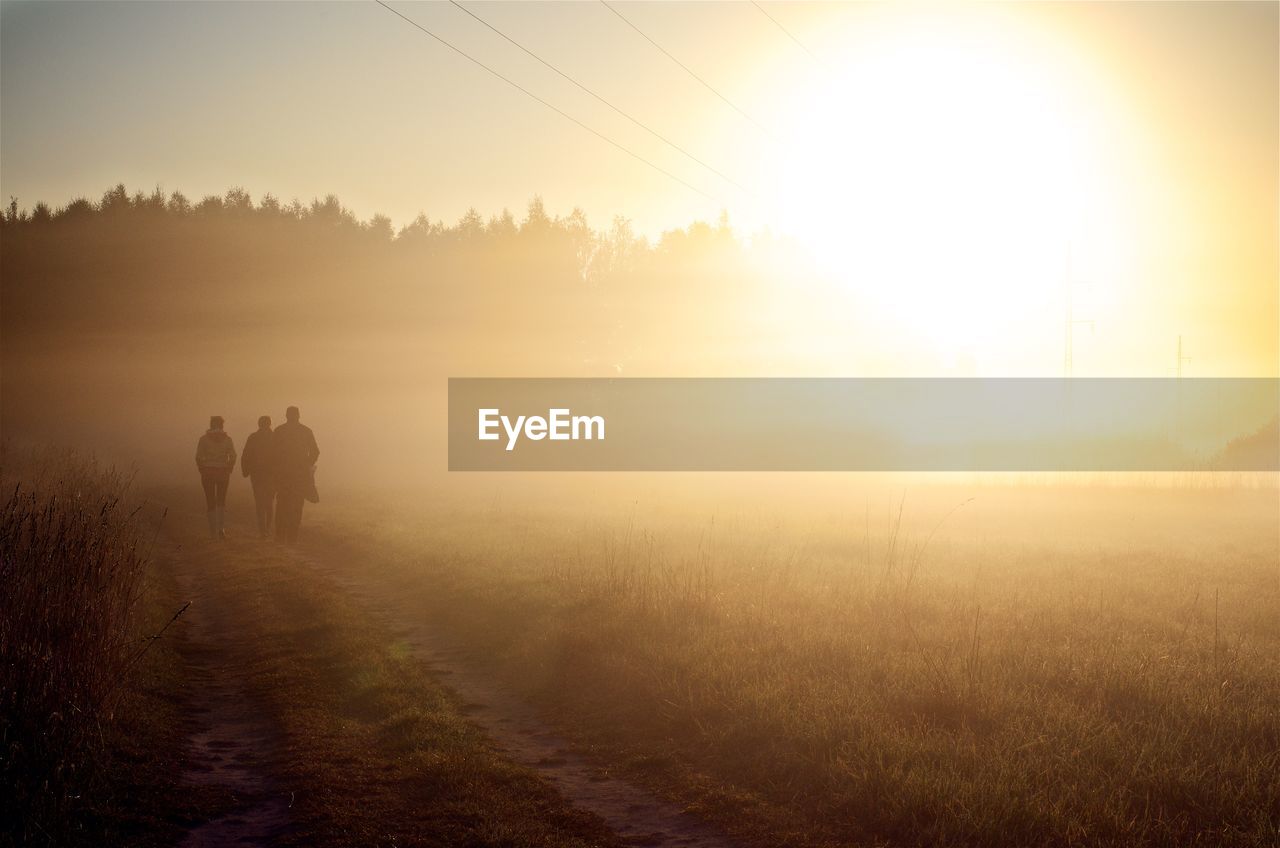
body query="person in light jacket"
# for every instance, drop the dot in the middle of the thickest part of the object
(215, 457)
(258, 463)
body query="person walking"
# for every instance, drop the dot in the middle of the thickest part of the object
(215, 458)
(296, 454)
(258, 464)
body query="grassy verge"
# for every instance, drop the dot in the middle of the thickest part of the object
(87, 723)
(1045, 692)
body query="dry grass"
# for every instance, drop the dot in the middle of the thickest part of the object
(1102, 668)
(72, 562)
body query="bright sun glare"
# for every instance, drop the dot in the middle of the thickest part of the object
(941, 174)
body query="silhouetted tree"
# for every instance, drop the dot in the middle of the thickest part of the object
(238, 201)
(115, 200)
(503, 227)
(379, 227)
(536, 221)
(178, 204)
(471, 225)
(210, 206)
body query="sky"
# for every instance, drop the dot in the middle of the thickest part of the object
(920, 151)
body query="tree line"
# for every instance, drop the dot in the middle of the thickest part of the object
(597, 252)
(142, 263)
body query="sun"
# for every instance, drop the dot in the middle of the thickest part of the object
(941, 174)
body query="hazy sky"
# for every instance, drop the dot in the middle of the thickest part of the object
(1140, 137)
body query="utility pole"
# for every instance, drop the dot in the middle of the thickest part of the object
(1177, 409)
(1068, 356)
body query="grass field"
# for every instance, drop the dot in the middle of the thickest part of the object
(1072, 665)
(799, 661)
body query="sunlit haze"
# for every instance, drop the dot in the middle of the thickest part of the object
(955, 171)
(756, 424)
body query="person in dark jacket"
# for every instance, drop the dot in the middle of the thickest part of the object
(295, 454)
(215, 457)
(258, 463)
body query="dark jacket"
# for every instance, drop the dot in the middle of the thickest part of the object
(258, 459)
(296, 453)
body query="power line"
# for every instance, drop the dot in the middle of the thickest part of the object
(788, 34)
(689, 71)
(633, 120)
(555, 109)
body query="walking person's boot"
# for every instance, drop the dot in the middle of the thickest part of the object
(213, 524)
(222, 517)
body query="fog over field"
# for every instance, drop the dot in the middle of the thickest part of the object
(324, 212)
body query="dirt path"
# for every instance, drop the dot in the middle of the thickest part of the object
(231, 743)
(635, 814)
(234, 749)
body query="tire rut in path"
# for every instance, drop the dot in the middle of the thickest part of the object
(636, 815)
(231, 742)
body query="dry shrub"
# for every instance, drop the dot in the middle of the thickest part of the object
(72, 554)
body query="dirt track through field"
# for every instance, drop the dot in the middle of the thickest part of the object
(230, 744)
(638, 816)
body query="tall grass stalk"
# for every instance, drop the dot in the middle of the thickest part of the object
(72, 555)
